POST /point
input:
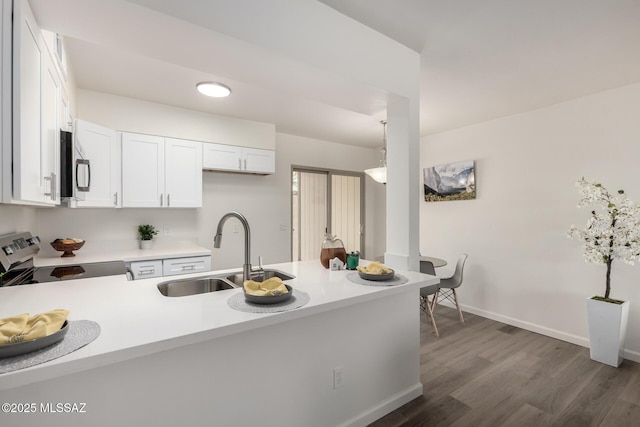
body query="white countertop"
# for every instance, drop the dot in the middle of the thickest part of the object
(126, 251)
(136, 320)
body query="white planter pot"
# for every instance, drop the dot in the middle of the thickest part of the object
(607, 330)
(146, 244)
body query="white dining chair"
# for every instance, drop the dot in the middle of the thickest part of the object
(427, 291)
(448, 285)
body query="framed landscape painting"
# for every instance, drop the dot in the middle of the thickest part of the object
(453, 181)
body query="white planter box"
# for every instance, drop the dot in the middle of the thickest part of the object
(607, 330)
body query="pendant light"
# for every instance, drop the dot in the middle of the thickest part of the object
(379, 174)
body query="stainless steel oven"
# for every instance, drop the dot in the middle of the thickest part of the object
(16, 264)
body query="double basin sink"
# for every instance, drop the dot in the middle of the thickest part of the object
(218, 282)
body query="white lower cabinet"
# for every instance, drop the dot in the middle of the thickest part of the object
(146, 269)
(232, 158)
(169, 267)
(174, 266)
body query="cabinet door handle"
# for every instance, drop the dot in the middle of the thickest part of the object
(47, 178)
(161, 199)
(245, 164)
(188, 267)
(115, 199)
(168, 199)
(240, 164)
(54, 187)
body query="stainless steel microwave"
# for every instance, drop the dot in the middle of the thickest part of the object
(75, 169)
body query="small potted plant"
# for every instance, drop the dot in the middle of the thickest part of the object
(146, 233)
(612, 232)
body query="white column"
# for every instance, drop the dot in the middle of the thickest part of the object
(403, 184)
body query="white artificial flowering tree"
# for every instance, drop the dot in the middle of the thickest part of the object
(613, 230)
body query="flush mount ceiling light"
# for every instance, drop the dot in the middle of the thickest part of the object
(379, 174)
(216, 90)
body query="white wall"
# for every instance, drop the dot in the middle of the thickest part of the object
(133, 115)
(264, 200)
(522, 269)
(16, 218)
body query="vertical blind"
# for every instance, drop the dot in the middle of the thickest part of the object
(345, 210)
(312, 201)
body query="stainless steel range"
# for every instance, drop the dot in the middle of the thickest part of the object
(16, 264)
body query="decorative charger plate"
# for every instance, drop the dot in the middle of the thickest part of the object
(377, 277)
(10, 350)
(269, 299)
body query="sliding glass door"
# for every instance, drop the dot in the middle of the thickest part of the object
(326, 200)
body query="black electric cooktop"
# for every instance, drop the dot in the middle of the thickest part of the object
(64, 272)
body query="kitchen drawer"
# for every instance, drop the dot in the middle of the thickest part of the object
(146, 269)
(173, 266)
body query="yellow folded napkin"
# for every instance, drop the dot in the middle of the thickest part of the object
(270, 287)
(375, 268)
(22, 327)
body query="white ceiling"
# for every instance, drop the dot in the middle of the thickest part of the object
(480, 60)
(492, 58)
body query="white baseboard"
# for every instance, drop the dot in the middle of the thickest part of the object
(543, 330)
(386, 406)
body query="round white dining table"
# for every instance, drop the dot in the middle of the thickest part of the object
(437, 262)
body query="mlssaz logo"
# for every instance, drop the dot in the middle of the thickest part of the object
(67, 408)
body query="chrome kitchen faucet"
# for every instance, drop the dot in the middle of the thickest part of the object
(217, 240)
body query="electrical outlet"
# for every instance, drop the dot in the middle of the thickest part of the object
(283, 227)
(338, 377)
(166, 230)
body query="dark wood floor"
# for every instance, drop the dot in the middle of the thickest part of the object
(491, 374)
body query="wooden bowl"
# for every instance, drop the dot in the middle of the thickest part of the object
(67, 248)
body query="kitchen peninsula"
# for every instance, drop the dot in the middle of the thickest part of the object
(195, 361)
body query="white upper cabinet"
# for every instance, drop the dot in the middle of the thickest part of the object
(260, 161)
(101, 147)
(142, 171)
(232, 158)
(50, 139)
(221, 157)
(183, 173)
(28, 181)
(31, 170)
(159, 172)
